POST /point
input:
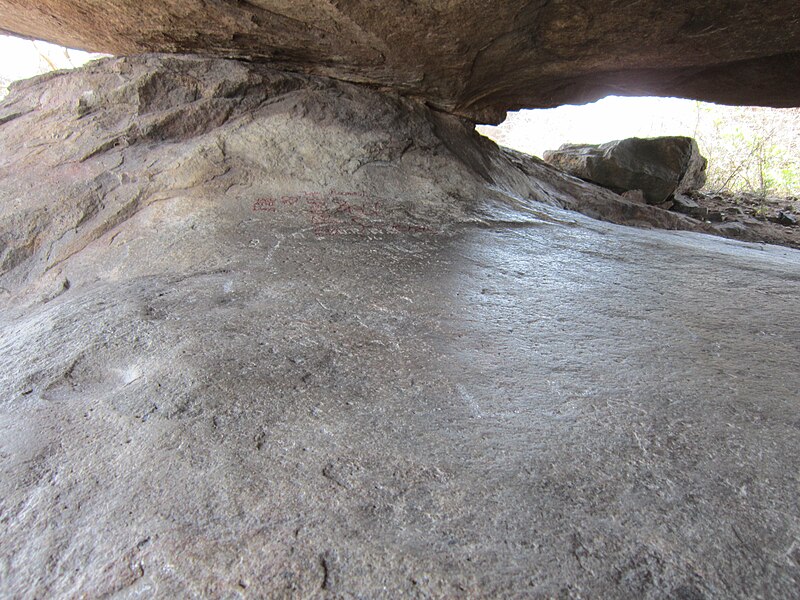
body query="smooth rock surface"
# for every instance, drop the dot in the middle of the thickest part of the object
(473, 58)
(330, 344)
(658, 167)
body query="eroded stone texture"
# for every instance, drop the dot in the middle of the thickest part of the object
(83, 152)
(265, 335)
(470, 57)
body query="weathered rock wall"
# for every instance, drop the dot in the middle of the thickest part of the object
(240, 145)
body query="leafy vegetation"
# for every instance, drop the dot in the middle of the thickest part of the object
(754, 150)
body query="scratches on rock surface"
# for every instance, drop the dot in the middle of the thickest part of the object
(9, 115)
(128, 210)
(421, 381)
(198, 109)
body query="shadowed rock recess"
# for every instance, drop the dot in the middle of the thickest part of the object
(470, 57)
(265, 334)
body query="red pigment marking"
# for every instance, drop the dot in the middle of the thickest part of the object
(338, 213)
(289, 200)
(264, 204)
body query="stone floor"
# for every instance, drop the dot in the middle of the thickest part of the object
(566, 409)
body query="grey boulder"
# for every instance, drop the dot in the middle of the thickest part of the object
(659, 167)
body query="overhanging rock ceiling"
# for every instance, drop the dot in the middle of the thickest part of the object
(470, 57)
